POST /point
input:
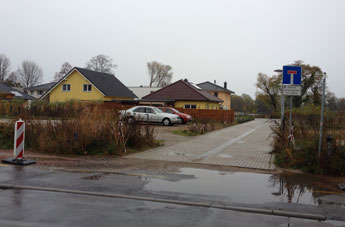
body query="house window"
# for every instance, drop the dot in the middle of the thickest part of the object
(190, 106)
(216, 94)
(40, 92)
(87, 87)
(66, 87)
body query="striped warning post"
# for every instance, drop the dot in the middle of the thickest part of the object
(19, 135)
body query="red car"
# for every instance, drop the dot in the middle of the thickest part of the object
(185, 118)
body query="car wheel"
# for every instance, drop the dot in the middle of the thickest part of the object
(166, 122)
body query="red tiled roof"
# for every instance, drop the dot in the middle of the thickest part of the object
(181, 90)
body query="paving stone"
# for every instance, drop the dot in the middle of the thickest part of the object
(245, 145)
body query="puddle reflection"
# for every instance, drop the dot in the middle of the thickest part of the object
(251, 188)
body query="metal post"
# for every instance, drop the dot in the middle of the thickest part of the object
(290, 120)
(322, 110)
(282, 109)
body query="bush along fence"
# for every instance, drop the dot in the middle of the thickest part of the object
(93, 132)
(301, 150)
(43, 109)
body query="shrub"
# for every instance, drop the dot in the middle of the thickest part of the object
(91, 132)
(244, 118)
(304, 154)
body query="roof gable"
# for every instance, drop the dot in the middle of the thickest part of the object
(105, 83)
(208, 86)
(181, 90)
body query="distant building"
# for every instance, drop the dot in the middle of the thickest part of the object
(183, 94)
(8, 93)
(143, 90)
(39, 90)
(220, 92)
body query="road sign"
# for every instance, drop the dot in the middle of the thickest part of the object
(292, 90)
(292, 75)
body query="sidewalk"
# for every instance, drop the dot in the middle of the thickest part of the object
(246, 145)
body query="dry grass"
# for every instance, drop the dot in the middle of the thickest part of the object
(304, 155)
(92, 131)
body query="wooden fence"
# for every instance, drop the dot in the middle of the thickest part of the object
(197, 114)
(217, 115)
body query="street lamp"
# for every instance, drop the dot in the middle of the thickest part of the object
(282, 109)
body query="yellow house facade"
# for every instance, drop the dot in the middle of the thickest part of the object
(221, 92)
(86, 85)
(197, 105)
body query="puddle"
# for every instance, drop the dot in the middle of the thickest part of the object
(251, 188)
(93, 177)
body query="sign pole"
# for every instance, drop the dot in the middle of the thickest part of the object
(290, 120)
(282, 110)
(322, 110)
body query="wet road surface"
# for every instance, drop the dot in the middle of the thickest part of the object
(41, 209)
(286, 192)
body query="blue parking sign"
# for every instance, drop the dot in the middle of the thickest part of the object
(292, 75)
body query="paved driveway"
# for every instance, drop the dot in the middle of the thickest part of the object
(245, 145)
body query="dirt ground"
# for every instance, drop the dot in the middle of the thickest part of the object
(107, 163)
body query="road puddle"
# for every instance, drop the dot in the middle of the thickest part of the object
(252, 188)
(93, 177)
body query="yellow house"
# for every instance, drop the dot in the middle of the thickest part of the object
(183, 94)
(86, 85)
(221, 92)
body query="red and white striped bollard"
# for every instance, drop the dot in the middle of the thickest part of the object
(19, 136)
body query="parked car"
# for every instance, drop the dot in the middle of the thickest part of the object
(185, 118)
(150, 114)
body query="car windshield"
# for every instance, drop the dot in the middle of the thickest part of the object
(175, 110)
(157, 110)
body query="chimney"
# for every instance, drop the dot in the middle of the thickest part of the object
(214, 82)
(225, 85)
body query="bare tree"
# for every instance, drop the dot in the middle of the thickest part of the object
(4, 67)
(160, 74)
(12, 80)
(269, 86)
(101, 63)
(29, 74)
(65, 68)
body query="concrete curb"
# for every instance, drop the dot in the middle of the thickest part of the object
(318, 217)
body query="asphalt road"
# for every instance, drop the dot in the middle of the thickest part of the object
(43, 208)
(40, 209)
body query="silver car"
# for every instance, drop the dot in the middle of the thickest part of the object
(150, 114)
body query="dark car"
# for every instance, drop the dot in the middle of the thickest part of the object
(185, 118)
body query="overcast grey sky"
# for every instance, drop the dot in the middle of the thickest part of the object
(202, 40)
